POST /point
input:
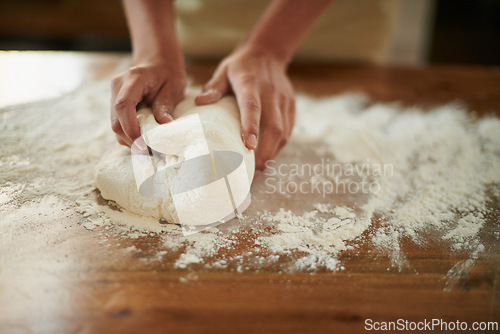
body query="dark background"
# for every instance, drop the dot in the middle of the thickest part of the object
(463, 31)
(466, 31)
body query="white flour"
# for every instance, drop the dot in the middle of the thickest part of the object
(443, 179)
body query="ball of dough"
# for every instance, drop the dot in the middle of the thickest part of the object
(115, 176)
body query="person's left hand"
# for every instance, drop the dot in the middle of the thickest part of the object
(265, 99)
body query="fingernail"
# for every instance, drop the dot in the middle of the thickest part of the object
(252, 141)
(141, 144)
(165, 112)
(207, 92)
(167, 115)
(256, 175)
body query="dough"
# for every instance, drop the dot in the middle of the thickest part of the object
(179, 191)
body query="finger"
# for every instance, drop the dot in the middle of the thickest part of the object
(121, 141)
(250, 107)
(216, 88)
(164, 105)
(291, 115)
(117, 129)
(125, 104)
(116, 84)
(284, 105)
(272, 132)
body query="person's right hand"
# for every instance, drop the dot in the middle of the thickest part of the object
(158, 83)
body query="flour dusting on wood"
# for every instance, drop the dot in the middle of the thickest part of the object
(442, 181)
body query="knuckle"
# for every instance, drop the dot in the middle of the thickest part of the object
(137, 71)
(121, 105)
(249, 79)
(116, 126)
(275, 130)
(252, 105)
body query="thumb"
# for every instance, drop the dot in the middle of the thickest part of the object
(216, 88)
(164, 105)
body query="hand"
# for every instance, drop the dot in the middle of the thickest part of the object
(265, 99)
(158, 83)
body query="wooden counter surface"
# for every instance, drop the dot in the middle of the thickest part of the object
(74, 285)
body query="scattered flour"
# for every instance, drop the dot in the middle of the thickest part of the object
(319, 237)
(444, 178)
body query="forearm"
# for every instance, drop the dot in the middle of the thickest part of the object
(283, 26)
(152, 29)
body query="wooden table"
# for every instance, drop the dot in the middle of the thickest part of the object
(74, 285)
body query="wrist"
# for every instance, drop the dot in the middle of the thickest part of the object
(172, 58)
(261, 50)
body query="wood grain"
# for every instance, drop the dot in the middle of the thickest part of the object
(71, 283)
